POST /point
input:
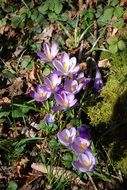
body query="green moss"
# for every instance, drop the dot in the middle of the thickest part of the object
(116, 85)
(122, 165)
(109, 111)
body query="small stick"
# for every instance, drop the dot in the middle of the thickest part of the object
(92, 182)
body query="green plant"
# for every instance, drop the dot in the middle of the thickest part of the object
(115, 44)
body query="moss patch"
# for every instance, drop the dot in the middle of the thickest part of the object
(109, 111)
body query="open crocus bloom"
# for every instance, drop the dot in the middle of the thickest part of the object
(66, 65)
(53, 83)
(65, 100)
(49, 118)
(40, 94)
(67, 136)
(98, 83)
(72, 86)
(48, 53)
(86, 162)
(80, 145)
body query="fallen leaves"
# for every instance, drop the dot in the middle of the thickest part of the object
(104, 63)
(58, 172)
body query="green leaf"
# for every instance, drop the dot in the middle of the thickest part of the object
(63, 17)
(112, 40)
(34, 15)
(58, 7)
(106, 17)
(53, 144)
(16, 21)
(121, 45)
(9, 74)
(67, 160)
(43, 8)
(46, 71)
(43, 125)
(115, 2)
(52, 16)
(113, 48)
(12, 185)
(27, 62)
(4, 114)
(118, 12)
(51, 5)
(119, 24)
(20, 112)
(3, 22)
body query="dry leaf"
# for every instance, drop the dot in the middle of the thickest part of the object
(104, 63)
(83, 66)
(45, 35)
(5, 100)
(123, 3)
(39, 167)
(32, 177)
(58, 172)
(125, 16)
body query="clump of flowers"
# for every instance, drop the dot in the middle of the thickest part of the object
(80, 144)
(65, 79)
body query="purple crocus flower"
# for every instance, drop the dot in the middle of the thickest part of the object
(98, 83)
(72, 86)
(49, 118)
(80, 145)
(65, 100)
(67, 136)
(53, 83)
(66, 65)
(86, 162)
(40, 94)
(84, 132)
(83, 80)
(48, 53)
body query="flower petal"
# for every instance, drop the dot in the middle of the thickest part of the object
(42, 56)
(72, 63)
(73, 103)
(84, 132)
(58, 65)
(65, 58)
(54, 49)
(80, 145)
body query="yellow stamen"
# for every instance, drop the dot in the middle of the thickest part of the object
(65, 66)
(65, 103)
(41, 95)
(72, 88)
(82, 146)
(87, 164)
(67, 138)
(52, 85)
(49, 56)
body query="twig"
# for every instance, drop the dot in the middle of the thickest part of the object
(92, 182)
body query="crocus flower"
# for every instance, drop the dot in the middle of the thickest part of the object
(85, 163)
(65, 100)
(67, 136)
(80, 145)
(84, 132)
(48, 53)
(53, 83)
(66, 65)
(98, 83)
(40, 94)
(72, 86)
(49, 118)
